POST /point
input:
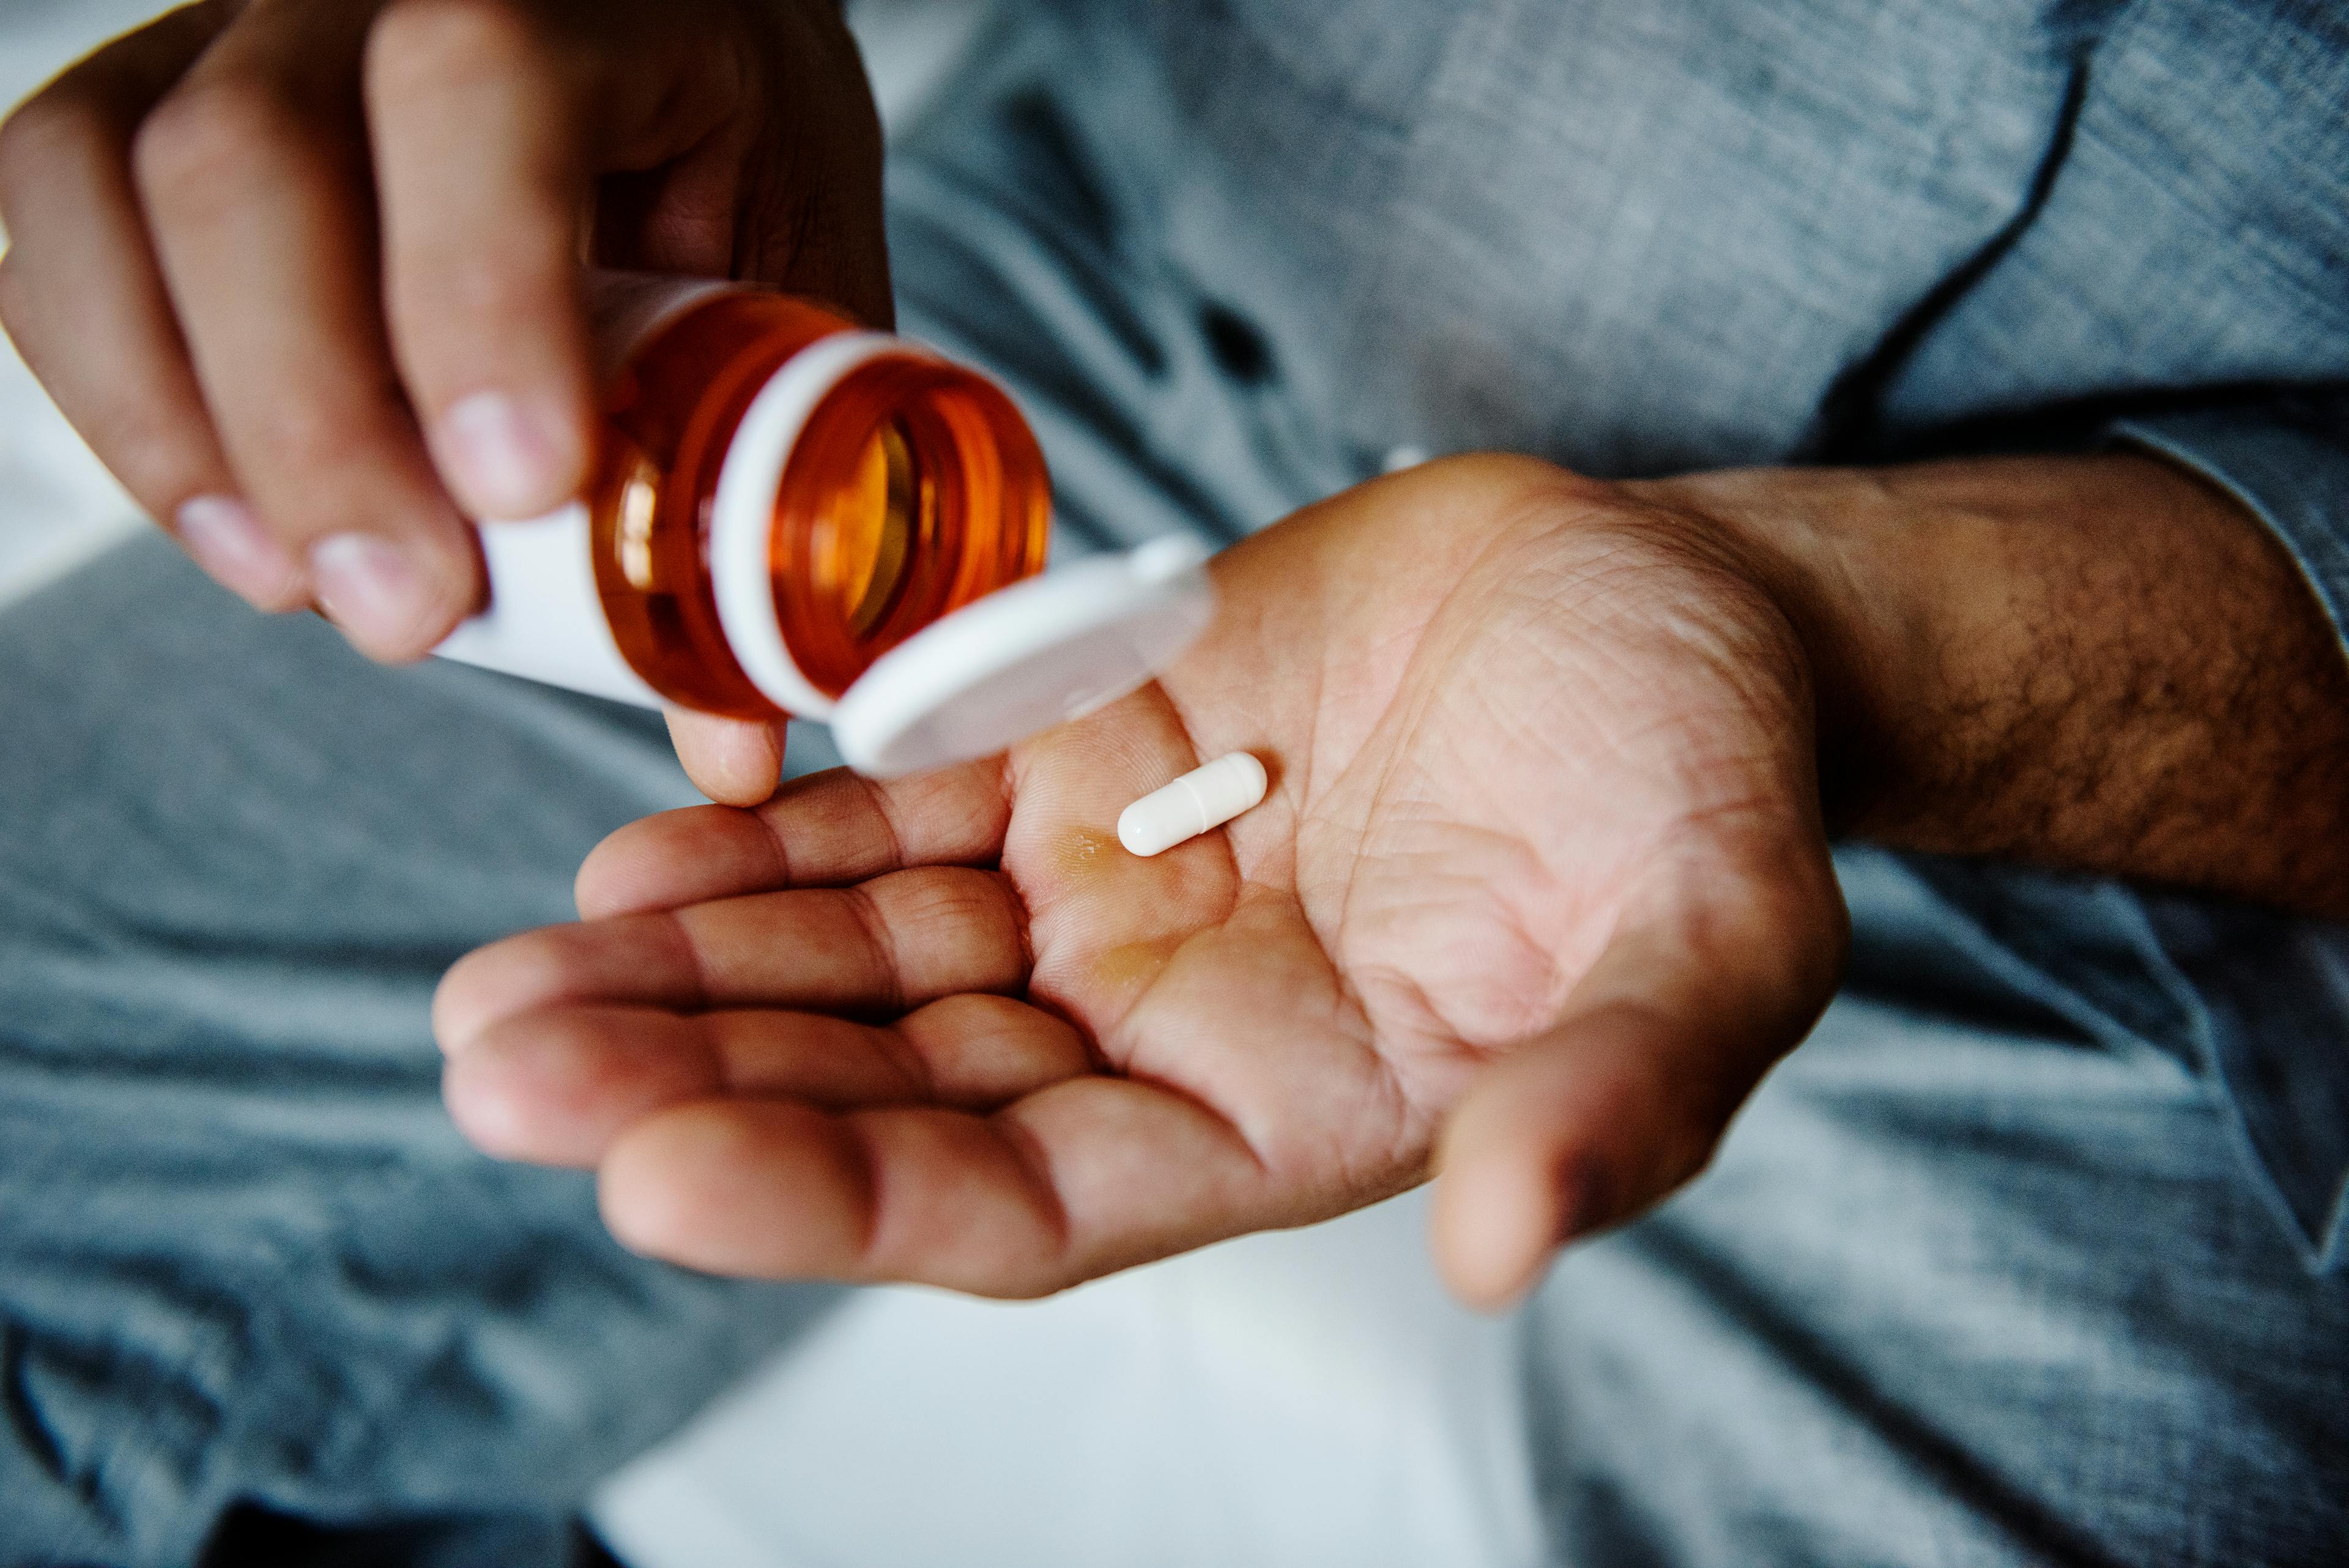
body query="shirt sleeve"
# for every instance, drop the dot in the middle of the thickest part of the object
(2265, 996)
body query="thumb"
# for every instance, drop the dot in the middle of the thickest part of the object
(1622, 1099)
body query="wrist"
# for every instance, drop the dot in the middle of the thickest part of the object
(2100, 662)
(1823, 546)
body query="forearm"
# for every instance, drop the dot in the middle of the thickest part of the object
(2100, 663)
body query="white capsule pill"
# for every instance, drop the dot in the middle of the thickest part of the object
(1200, 799)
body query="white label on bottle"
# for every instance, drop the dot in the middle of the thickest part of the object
(545, 621)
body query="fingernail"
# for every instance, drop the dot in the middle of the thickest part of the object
(371, 588)
(229, 542)
(507, 462)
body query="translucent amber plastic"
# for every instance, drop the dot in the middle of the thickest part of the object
(914, 488)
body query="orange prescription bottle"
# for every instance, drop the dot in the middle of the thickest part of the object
(783, 504)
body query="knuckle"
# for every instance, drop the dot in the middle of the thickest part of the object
(463, 305)
(309, 478)
(155, 454)
(339, 453)
(57, 127)
(205, 133)
(426, 43)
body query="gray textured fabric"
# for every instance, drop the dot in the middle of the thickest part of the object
(243, 1256)
(2032, 1255)
(1967, 1284)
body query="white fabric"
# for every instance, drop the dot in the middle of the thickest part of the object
(1283, 1400)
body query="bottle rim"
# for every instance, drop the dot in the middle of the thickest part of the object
(742, 510)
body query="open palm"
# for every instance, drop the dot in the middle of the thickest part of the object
(1540, 882)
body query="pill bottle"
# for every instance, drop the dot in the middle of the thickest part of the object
(780, 503)
(778, 498)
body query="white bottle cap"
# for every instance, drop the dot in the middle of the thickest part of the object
(1024, 658)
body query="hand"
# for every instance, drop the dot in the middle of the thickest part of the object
(305, 273)
(1539, 893)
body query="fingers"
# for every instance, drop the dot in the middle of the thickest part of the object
(881, 949)
(558, 1086)
(201, 276)
(481, 167)
(488, 119)
(1083, 1178)
(734, 761)
(1622, 1100)
(84, 302)
(252, 174)
(830, 829)
(488, 123)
